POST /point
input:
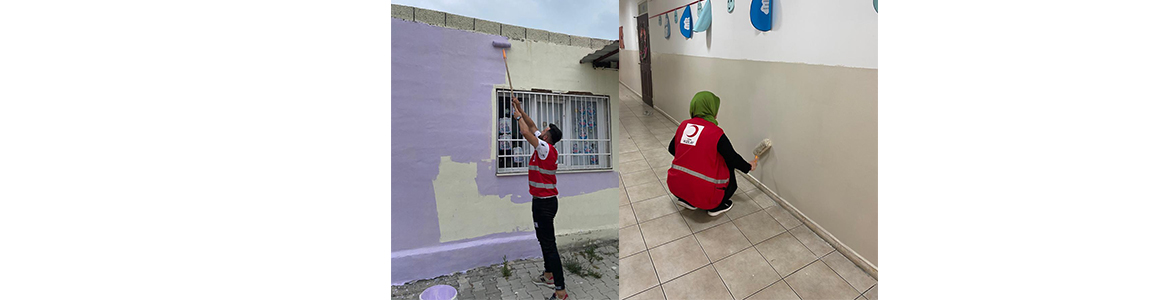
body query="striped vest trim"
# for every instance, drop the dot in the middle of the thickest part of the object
(697, 174)
(542, 171)
(542, 185)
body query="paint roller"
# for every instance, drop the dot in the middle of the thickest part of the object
(503, 46)
(762, 148)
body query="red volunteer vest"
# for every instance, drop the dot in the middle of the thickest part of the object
(542, 174)
(698, 173)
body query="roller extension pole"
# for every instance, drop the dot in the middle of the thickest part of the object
(512, 90)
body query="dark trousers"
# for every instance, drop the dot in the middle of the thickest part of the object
(543, 212)
(727, 192)
(730, 190)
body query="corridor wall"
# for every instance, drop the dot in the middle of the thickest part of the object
(810, 84)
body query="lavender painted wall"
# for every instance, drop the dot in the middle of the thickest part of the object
(442, 106)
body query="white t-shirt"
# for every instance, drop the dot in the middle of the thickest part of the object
(542, 147)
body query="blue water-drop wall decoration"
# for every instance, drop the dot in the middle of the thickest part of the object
(761, 14)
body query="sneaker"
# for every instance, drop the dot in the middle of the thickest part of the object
(544, 281)
(723, 207)
(684, 204)
(554, 297)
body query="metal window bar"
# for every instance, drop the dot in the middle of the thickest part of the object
(584, 122)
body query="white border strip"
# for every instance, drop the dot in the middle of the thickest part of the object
(853, 256)
(632, 90)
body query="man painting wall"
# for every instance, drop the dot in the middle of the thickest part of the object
(542, 184)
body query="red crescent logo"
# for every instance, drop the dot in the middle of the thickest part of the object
(696, 130)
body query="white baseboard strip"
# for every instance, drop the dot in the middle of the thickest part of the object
(631, 89)
(853, 256)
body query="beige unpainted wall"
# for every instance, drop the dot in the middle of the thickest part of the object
(464, 213)
(630, 73)
(547, 65)
(823, 124)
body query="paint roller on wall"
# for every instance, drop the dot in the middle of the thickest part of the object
(762, 148)
(503, 46)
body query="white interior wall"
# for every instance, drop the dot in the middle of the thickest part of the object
(819, 32)
(629, 73)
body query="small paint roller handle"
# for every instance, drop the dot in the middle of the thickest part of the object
(515, 113)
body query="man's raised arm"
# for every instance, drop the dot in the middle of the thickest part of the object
(526, 125)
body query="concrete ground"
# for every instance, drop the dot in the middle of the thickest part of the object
(757, 250)
(490, 283)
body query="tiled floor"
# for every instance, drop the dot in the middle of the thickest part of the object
(758, 250)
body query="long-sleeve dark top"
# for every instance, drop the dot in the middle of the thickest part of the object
(734, 161)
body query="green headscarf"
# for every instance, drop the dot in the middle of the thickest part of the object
(705, 105)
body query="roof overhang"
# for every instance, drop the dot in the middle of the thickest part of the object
(606, 57)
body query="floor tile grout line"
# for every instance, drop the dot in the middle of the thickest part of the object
(656, 278)
(712, 263)
(733, 253)
(870, 288)
(667, 242)
(800, 268)
(793, 289)
(839, 273)
(765, 287)
(685, 275)
(774, 236)
(805, 245)
(821, 259)
(635, 253)
(658, 217)
(794, 273)
(782, 276)
(647, 291)
(659, 280)
(639, 222)
(692, 230)
(765, 261)
(632, 202)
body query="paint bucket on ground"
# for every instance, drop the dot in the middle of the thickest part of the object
(438, 292)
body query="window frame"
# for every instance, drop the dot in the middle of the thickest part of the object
(540, 104)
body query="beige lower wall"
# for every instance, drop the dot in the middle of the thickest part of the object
(823, 124)
(630, 73)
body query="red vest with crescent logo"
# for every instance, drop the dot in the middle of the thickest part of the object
(698, 173)
(542, 174)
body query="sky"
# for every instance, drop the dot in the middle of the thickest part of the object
(590, 18)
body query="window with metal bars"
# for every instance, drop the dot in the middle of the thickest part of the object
(584, 122)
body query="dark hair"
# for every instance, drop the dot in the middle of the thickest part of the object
(554, 133)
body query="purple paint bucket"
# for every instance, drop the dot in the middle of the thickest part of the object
(438, 292)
